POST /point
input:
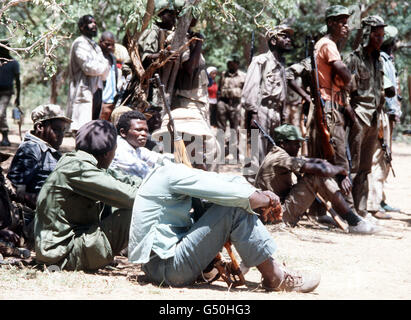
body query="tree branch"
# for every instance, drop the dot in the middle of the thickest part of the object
(12, 3)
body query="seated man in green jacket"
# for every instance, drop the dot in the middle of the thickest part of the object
(75, 226)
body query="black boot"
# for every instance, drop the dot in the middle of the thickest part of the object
(5, 142)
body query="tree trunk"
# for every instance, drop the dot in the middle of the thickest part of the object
(54, 91)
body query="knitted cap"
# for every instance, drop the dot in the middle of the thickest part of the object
(96, 137)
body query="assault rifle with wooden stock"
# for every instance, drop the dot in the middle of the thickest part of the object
(327, 149)
(382, 137)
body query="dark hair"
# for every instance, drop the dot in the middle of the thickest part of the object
(126, 117)
(4, 52)
(84, 20)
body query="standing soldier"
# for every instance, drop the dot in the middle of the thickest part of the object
(229, 98)
(333, 75)
(265, 89)
(367, 99)
(150, 44)
(391, 115)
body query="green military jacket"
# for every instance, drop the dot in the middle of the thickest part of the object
(71, 201)
(367, 93)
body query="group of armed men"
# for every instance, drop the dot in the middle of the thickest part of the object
(114, 194)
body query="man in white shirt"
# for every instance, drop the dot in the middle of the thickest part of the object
(87, 69)
(131, 156)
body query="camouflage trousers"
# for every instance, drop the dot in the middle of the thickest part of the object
(363, 140)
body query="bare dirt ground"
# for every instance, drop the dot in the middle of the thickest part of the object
(351, 266)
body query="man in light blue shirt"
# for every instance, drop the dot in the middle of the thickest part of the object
(175, 250)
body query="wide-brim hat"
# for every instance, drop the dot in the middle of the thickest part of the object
(185, 122)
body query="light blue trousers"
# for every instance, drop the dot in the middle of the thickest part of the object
(205, 239)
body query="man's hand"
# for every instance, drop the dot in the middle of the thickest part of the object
(346, 185)
(322, 168)
(263, 199)
(171, 54)
(253, 117)
(270, 204)
(350, 115)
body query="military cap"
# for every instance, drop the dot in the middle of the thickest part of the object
(161, 5)
(373, 21)
(335, 11)
(287, 132)
(390, 33)
(282, 28)
(117, 112)
(96, 137)
(47, 112)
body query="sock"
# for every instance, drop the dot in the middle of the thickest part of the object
(351, 218)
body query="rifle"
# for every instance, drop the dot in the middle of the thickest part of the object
(321, 122)
(233, 277)
(384, 146)
(252, 46)
(318, 197)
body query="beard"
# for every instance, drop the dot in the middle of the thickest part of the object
(89, 32)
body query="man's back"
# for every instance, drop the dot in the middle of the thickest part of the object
(72, 199)
(8, 71)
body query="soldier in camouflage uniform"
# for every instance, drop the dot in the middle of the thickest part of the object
(265, 89)
(315, 176)
(229, 97)
(151, 42)
(367, 100)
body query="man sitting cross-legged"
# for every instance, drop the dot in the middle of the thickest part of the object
(275, 174)
(131, 155)
(75, 226)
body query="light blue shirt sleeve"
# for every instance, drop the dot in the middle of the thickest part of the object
(224, 190)
(161, 211)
